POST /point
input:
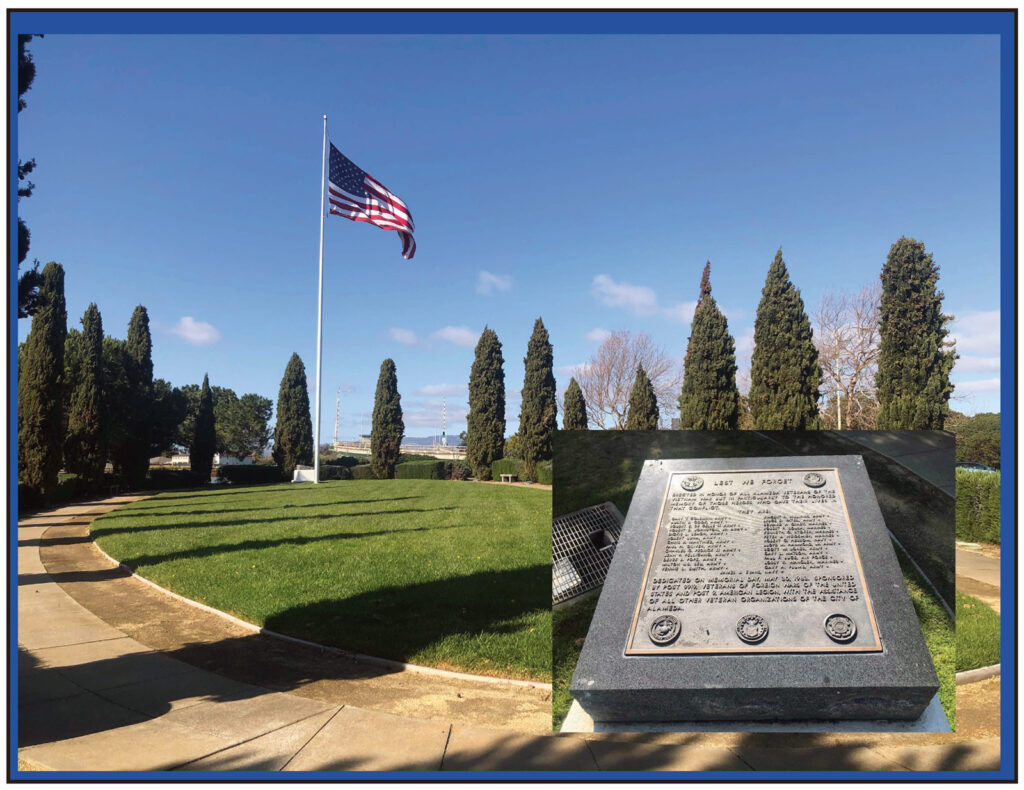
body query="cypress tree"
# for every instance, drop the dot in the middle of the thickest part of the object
(575, 417)
(201, 451)
(538, 412)
(705, 283)
(117, 400)
(293, 433)
(40, 381)
(913, 362)
(139, 358)
(643, 405)
(784, 371)
(485, 424)
(84, 442)
(388, 427)
(709, 400)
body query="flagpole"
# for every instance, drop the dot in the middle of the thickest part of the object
(319, 316)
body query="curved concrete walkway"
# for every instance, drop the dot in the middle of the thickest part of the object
(114, 675)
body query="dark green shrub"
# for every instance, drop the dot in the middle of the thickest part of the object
(168, 479)
(505, 466)
(362, 472)
(345, 460)
(977, 506)
(457, 470)
(249, 475)
(421, 470)
(544, 475)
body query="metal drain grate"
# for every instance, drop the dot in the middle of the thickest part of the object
(583, 543)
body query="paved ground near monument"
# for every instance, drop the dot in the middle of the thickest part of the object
(977, 571)
(114, 675)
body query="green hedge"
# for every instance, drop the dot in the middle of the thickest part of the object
(457, 470)
(421, 470)
(344, 460)
(248, 475)
(362, 472)
(505, 466)
(173, 479)
(977, 506)
(544, 474)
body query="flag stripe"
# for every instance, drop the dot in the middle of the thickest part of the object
(356, 195)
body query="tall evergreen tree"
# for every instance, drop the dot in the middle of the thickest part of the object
(388, 427)
(203, 447)
(485, 424)
(914, 363)
(784, 371)
(117, 401)
(709, 400)
(539, 409)
(134, 460)
(705, 283)
(575, 417)
(40, 395)
(643, 405)
(293, 434)
(84, 440)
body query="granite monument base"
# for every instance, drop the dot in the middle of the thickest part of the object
(754, 590)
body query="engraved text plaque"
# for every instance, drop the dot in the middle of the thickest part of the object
(759, 561)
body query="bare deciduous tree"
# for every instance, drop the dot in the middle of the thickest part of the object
(846, 333)
(607, 379)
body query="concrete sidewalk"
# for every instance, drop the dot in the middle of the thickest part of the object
(95, 693)
(978, 572)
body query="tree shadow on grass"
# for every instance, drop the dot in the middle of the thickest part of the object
(398, 622)
(157, 512)
(141, 560)
(99, 530)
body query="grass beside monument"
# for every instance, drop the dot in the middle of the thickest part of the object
(977, 634)
(446, 574)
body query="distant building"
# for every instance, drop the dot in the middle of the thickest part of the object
(182, 459)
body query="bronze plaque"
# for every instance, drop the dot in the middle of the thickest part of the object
(758, 561)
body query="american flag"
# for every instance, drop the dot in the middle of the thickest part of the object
(355, 194)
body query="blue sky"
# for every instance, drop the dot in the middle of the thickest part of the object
(584, 179)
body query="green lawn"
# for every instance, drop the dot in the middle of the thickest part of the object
(447, 574)
(977, 634)
(571, 623)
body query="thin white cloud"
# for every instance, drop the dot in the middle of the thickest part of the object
(977, 332)
(404, 336)
(441, 389)
(681, 312)
(198, 333)
(973, 364)
(639, 299)
(487, 283)
(974, 387)
(459, 335)
(572, 370)
(598, 335)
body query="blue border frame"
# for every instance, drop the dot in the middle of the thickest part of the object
(1001, 22)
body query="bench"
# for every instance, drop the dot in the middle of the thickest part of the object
(508, 478)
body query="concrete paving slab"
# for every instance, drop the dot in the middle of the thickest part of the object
(364, 740)
(240, 720)
(972, 756)
(148, 746)
(477, 749)
(70, 717)
(977, 566)
(64, 628)
(39, 685)
(834, 758)
(636, 756)
(269, 752)
(108, 663)
(175, 692)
